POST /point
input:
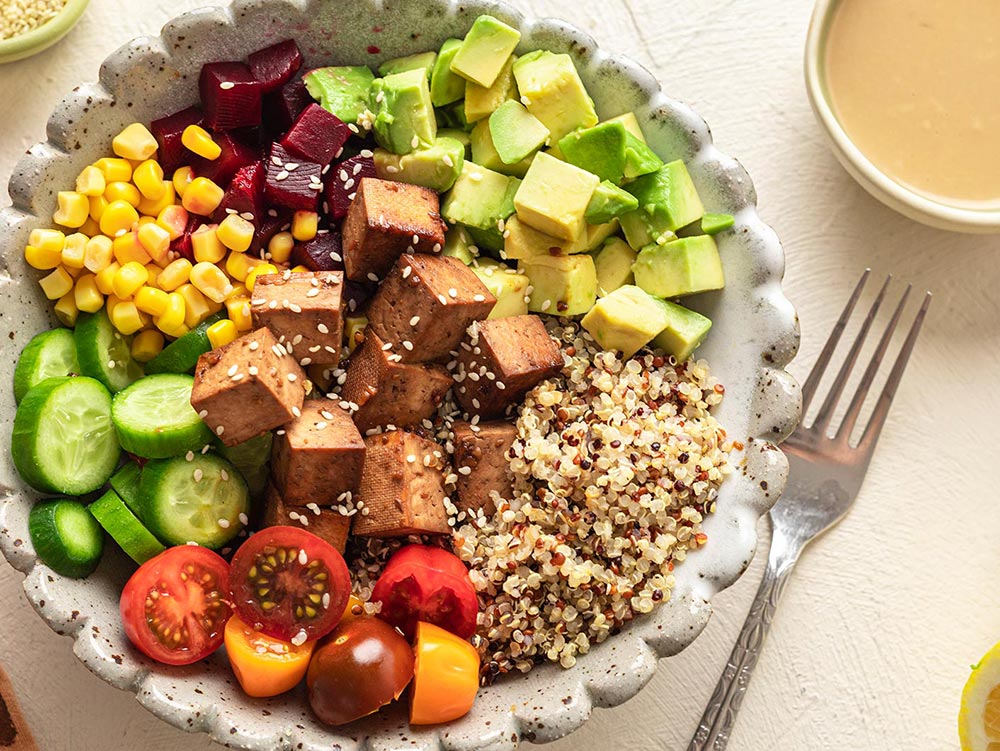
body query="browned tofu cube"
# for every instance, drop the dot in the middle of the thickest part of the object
(402, 487)
(425, 305)
(304, 311)
(501, 360)
(319, 456)
(328, 524)
(247, 387)
(385, 220)
(389, 392)
(482, 464)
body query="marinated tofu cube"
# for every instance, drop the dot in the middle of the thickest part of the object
(328, 524)
(501, 360)
(304, 311)
(388, 391)
(482, 464)
(247, 387)
(385, 220)
(425, 305)
(402, 487)
(319, 455)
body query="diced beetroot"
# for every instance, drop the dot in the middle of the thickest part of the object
(267, 227)
(230, 95)
(317, 135)
(342, 181)
(245, 193)
(236, 154)
(171, 153)
(323, 253)
(357, 294)
(295, 188)
(281, 107)
(275, 65)
(182, 245)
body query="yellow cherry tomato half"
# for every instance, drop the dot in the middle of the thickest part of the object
(355, 607)
(265, 666)
(446, 676)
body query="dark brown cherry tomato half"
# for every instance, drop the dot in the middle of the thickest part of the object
(289, 584)
(174, 607)
(426, 583)
(362, 666)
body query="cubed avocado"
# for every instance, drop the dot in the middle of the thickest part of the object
(506, 285)
(458, 244)
(631, 123)
(638, 232)
(420, 60)
(452, 117)
(639, 158)
(551, 89)
(613, 262)
(686, 330)
(554, 197)
(713, 224)
(561, 285)
(626, 320)
(479, 199)
(609, 202)
(436, 167)
(668, 201)
(484, 152)
(446, 85)
(517, 134)
(522, 241)
(459, 135)
(404, 116)
(482, 101)
(484, 50)
(600, 150)
(678, 268)
(342, 90)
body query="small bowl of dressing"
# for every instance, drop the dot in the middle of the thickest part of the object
(29, 26)
(909, 93)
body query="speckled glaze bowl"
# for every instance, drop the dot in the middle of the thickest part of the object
(755, 335)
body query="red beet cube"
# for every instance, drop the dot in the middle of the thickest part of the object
(245, 194)
(322, 253)
(167, 131)
(292, 182)
(281, 107)
(317, 135)
(357, 294)
(267, 226)
(236, 154)
(342, 181)
(230, 95)
(275, 65)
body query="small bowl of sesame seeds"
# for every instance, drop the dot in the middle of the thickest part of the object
(29, 26)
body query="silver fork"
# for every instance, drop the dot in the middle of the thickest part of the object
(825, 475)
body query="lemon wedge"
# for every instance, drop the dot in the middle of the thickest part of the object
(979, 717)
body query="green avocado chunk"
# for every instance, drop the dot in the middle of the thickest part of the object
(446, 86)
(613, 262)
(668, 201)
(343, 90)
(516, 133)
(404, 116)
(484, 152)
(686, 330)
(609, 202)
(639, 158)
(436, 167)
(482, 101)
(554, 197)
(682, 267)
(418, 61)
(452, 117)
(712, 224)
(459, 244)
(600, 150)
(506, 285)
(484, 50)
(551, 89)
(562, 285)
(480, 199)
(626, 320)
(631, 123)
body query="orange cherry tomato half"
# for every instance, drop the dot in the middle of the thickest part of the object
(265, 666)
(446, 676)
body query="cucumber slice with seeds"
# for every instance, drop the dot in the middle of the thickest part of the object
(154, 417)
(181, 355)
(51, 353)
(66, 537)
(63, 439)
(125, 482)
(137, 541)
(105, 353)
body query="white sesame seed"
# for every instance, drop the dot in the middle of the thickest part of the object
(414, 321)
(283, 175)
(224, 475)
(408, 345)
(296, 411)
(244, 519)
(372, 276)
(226, 85)
(224, 523)
(198, 474)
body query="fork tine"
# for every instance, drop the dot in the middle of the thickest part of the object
(874, 427)
(858, 400)
(825, 414)
(816, 374)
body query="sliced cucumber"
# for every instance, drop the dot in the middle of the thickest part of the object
(181, 355)
(104, 352)
(154, 417)
(252, 459)
(63, 439)
(66, 537)
(51, 353)
(125, 482)
(137, 541)
(203, 500)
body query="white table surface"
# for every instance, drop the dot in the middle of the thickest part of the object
(872, 644)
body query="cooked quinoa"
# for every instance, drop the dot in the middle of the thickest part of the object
(21, 16)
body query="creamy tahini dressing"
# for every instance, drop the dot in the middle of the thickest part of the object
(916, 86)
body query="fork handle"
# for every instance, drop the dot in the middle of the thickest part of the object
(720, 715)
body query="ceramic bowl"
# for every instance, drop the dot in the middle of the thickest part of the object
(50, 32)
(755, 335)
(871, 178)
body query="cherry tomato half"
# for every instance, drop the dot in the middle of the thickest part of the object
(446, 676)
(362, 666)
(289, 584)
(174, 608)
(425, 583)
(265, 666)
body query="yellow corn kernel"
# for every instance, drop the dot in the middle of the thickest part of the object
(206, 244)
(264, 268)
(196, 307)
(280, 247)
(86, 295)
(119, 191)
(111, 302)
(75, 251)
(155, 240)
(154, 272)
(97, 206)
(125, 317)
(135, 142)
(127, 248)
(118, 218)
(174, 220)
(181, 179)
(90, 181)
(304, 225)
(174, 275)
(130, 277)
(238, 290)
(47, 239)
(197, 139)
(145, 220)
(211, 281)
(148, 178)
(300, 269)
(66, 310)
(98, 253)
(238, 309)
(106, 276)
(56, 284)
(114, 169)
(73, 272)
(147, 345)
(151, 300)
(42, 258)
(221, 333)
(236, 233)
(238, 265)
(149, 207)
(173, 317)
(90, 227)
(202, 196)
(73, 209)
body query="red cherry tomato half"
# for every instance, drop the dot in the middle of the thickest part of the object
(289, 584)
(425, 583)
(174, 607)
